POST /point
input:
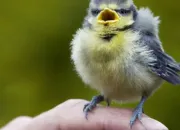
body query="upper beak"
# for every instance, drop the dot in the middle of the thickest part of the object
(108, 16)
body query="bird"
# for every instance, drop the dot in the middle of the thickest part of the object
(118, 52)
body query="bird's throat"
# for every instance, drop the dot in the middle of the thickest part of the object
(108, 37)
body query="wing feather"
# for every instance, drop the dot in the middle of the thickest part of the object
(164, 66)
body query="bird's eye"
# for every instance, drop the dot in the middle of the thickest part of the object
(95, 12)
(123, 11)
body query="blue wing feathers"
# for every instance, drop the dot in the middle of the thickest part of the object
(164, 66)
(167, 68)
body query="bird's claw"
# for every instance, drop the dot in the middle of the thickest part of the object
(108, 102)
(137, 115)
(88, 108)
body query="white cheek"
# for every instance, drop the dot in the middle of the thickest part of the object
(125, 21)
(130, 22)
(94, 23)
(91, 20)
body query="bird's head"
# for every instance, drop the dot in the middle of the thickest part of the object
(110, 16)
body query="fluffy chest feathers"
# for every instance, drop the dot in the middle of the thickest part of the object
(100, 51)
(103, 64)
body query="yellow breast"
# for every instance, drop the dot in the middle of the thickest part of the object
(104, 51)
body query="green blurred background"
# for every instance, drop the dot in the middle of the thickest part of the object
(36, 73)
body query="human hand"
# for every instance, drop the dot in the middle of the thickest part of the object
(69, 116)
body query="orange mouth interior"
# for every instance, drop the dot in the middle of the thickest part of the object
(108, 16)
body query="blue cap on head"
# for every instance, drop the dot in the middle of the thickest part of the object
(119, 2)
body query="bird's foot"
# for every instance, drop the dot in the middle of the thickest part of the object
(137, 113)
(90, 106)
(108, 102)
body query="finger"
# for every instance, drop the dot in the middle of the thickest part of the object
(104, 118)
(17, 123)
(69, 116)
(152, 124)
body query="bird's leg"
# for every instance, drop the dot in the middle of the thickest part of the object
(108, 102)
(89, 106)
(137, 114)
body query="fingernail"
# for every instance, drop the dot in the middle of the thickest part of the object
(152, 124)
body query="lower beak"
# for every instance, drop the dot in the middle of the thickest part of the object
(108, 16)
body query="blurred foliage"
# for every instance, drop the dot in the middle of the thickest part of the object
(36, 73)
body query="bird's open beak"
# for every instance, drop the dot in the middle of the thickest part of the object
(108, 16)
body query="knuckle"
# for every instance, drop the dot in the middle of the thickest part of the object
(70, 103)
(23, 118)
(73, 101)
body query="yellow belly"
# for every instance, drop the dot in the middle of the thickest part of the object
(110, 67)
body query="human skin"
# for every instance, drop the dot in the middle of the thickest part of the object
(69, 116)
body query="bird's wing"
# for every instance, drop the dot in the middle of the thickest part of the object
(164, 66)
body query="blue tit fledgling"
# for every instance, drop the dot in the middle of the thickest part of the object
(118, 52)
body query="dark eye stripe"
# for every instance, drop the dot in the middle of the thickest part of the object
(95, 12)
(123, 11)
